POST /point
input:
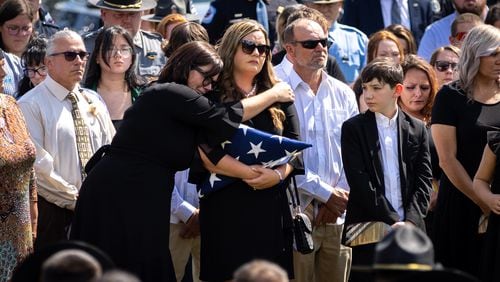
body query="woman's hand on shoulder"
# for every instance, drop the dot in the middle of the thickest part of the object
(283, 92)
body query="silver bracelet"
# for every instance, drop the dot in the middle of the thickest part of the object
(279, 174)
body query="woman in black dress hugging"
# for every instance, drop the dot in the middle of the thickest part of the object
(124, 203)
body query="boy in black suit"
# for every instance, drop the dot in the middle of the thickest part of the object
(387, 163)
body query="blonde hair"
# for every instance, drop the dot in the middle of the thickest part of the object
(265, 79)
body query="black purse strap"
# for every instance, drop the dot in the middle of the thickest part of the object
(296, 198)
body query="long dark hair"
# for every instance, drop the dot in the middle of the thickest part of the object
(34, 55)
(188, 56)
(103, 44)
(11, 9)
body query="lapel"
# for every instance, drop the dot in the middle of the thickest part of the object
(373, 141)
(403, 127)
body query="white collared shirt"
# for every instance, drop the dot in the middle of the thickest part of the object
(321, 117)
(184, 198)
(386, 6)
(48, 117)
(388, 137)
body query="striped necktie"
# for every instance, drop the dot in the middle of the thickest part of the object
(395, 12)
(81, 132)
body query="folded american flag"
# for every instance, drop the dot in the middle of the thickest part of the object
(251, 146)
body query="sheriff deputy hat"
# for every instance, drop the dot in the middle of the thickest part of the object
(407, 254)
(162, 10)
(124, 5)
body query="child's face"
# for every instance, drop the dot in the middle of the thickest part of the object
(380, 97)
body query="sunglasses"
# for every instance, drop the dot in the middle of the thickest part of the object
(443, 66)
(311, 44)
(207, 80)
(249, 47)
(30, 72)
(70, 56)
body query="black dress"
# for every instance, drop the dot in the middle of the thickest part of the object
(455, 236)
(239, 224)
(124, 203)
(490, 261)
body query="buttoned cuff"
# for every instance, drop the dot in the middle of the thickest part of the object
(323, 192)
(185, 211)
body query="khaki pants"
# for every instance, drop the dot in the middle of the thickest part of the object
(180, 249)
(329, 262)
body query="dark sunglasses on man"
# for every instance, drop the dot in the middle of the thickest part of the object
(443, 66)
(70, 56)
(249, 47)
(311, 44)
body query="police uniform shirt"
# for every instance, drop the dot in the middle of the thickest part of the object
(45, 26)
(222, 13)
(150, 56)
(349, 48)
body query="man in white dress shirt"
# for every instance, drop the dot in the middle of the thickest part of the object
(47, 109)
(185, 226)
(323, 104)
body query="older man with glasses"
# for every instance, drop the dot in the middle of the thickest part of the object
(67, 124)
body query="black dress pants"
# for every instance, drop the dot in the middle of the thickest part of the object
(53, 223)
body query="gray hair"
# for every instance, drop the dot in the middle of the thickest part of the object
(260, 271)
(481, 41)
(65, 33)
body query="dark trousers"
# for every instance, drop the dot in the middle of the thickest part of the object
(53, 223)
(362, 255)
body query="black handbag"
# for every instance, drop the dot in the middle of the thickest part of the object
(302, 227)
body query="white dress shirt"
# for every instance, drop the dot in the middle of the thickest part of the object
(184, 198)
(321, 117)
(386, 6)
(50, 124)
(388, 137)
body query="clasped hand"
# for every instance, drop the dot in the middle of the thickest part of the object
(266, 178)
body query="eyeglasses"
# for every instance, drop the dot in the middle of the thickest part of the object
(125, 52)
(207, 80)
(249, 47)
(70, 56)
(443, 66)
(15, 29)
(311, 44)
(460, 35)
(29, 72)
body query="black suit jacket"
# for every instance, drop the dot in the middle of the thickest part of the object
(366, 15)
(362, 158)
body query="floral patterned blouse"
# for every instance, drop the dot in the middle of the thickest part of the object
(17, 187)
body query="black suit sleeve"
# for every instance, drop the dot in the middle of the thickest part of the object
(422, 183)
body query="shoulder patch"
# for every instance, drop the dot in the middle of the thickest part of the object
(209, 16)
